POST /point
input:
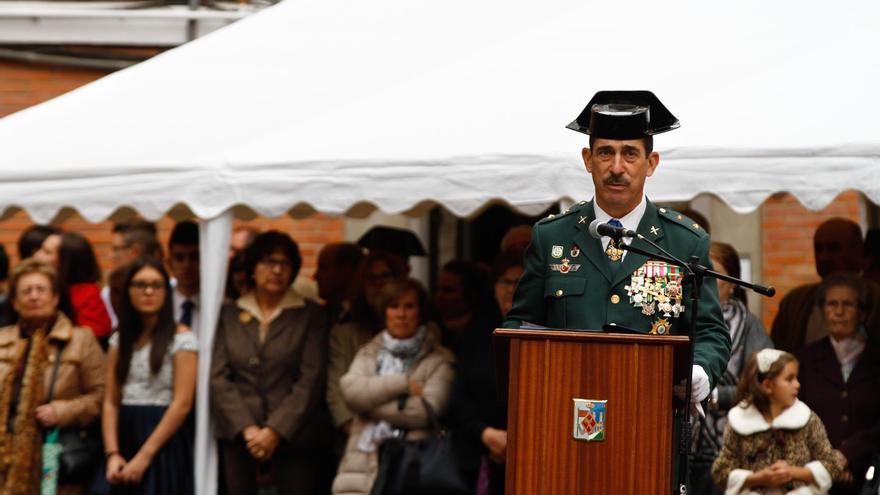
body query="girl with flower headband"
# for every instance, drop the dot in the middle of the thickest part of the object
(773, 443)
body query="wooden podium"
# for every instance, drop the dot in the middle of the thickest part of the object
(547, 369)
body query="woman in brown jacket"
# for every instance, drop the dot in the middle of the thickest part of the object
(268, 377)
(28, 352)
(387, 380)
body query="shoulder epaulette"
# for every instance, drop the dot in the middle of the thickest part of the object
(682, 221)
(553, 217)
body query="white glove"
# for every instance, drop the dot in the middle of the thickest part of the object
(699, 384)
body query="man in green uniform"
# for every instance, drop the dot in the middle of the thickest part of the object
(575, 281)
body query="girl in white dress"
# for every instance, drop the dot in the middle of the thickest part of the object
(148, 433)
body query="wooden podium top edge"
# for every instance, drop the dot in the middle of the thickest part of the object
(524, 333)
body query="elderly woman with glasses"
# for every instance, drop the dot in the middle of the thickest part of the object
(840, 377)
(267, 377)
(30, 351)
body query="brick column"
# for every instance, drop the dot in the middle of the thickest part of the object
(787, 242)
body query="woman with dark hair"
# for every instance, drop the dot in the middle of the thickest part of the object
(476, 414)
(747, 336)
(78, 275)
(31, 240)
(151, 379)
(267, 377)
(43, 342)
(387, 381)
(840, 377)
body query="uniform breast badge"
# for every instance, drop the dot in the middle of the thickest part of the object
(660, 326)
(613, 252)
(564, 267)
(589, 420)
(575, 251)
(655, 287)
(556, 252)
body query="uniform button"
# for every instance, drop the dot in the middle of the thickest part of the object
(615, 299)
(254, 361)
(844, 395)
(558, 292)
(613, 324)
(844, 418)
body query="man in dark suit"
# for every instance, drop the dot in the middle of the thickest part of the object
(572, 280)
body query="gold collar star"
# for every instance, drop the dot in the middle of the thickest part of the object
(655, 230)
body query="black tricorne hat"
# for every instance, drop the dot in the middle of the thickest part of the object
(624, 115)
(392, 240)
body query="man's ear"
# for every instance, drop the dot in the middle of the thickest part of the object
(586, 153)
(653, 162)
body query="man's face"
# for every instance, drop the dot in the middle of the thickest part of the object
(619, 170)
(184, 264)
(837, 248)
(332, 278)
(122, 251)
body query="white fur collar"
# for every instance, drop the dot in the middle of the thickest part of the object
(748, 420)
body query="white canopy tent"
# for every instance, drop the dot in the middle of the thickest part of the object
(343, 107)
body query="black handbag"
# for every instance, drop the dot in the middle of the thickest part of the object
(80, 447)
(426, 467)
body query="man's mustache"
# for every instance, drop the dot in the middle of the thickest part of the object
(615, 180)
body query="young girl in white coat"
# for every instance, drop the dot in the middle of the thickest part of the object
(773, 443)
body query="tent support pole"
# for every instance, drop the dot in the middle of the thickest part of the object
(214, 236)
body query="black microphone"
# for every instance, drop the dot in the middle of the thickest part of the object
(598, 229)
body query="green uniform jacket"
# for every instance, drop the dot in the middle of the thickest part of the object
(594, 293)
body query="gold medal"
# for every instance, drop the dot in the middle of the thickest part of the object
(660, 326)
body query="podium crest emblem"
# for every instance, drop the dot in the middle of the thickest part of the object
(589, 420)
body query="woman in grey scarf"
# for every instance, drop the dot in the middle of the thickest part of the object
(386, 382)
(747, 336)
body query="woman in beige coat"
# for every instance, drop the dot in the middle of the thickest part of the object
(386, 382)
(28, 352)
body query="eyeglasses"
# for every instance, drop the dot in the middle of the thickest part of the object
(39, 290)
(143, 285)
(272, 263)
(846, 305)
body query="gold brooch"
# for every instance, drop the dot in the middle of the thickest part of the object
(245, 317)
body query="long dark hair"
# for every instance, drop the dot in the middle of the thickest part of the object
(131, 324)
(76, 264)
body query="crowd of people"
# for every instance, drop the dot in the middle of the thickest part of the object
(306, 385)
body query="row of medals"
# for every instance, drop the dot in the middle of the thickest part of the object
(655, 286)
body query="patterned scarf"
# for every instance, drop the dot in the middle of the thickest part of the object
(735, 317)
(395, 357)
(20, 450)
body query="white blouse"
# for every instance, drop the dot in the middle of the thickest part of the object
(142, 387)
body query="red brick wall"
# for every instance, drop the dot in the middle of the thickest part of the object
(23, 85)
(310, 233)
(787, 242)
